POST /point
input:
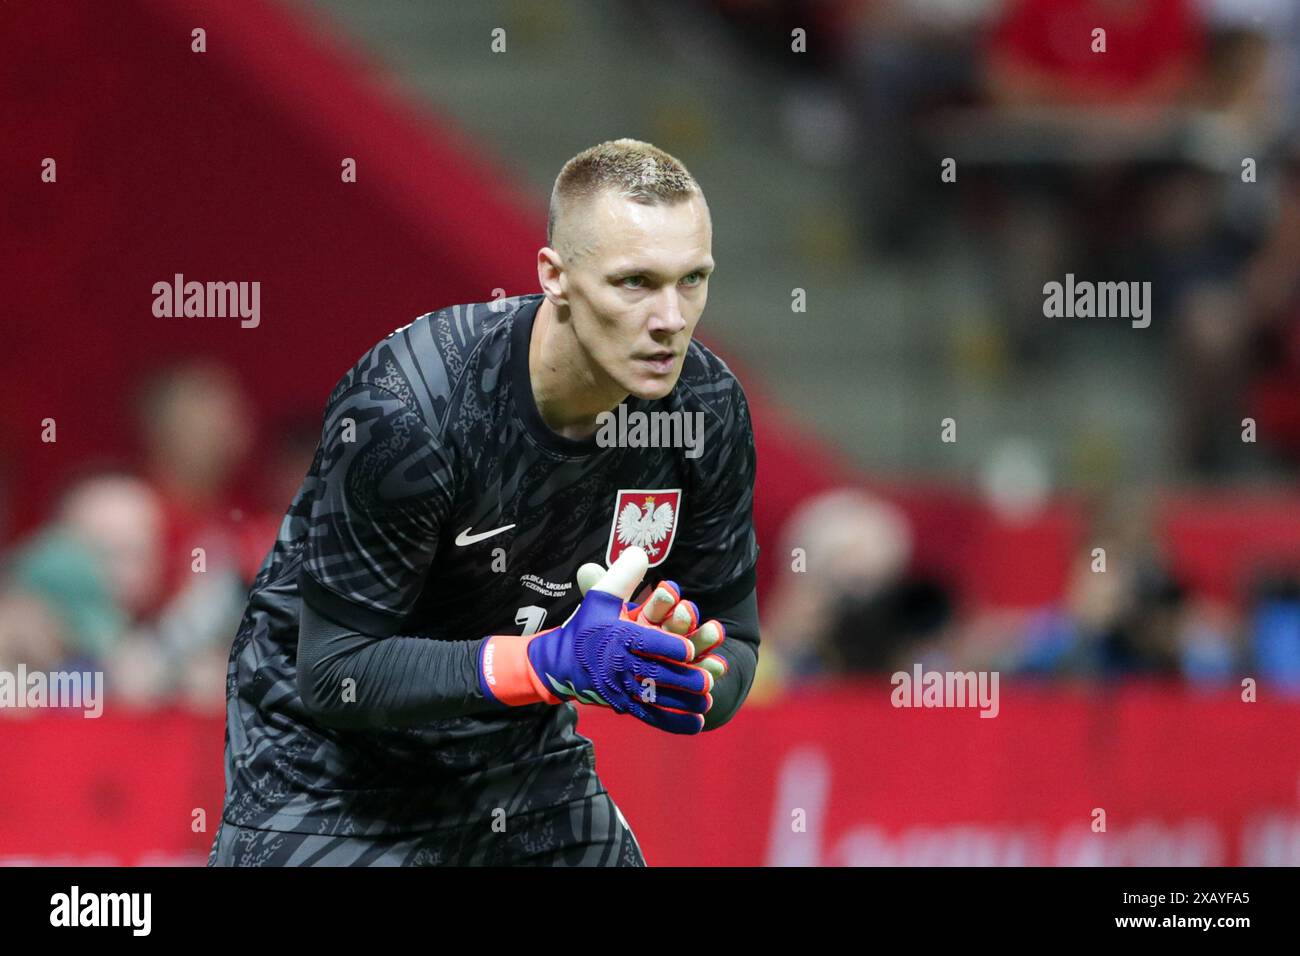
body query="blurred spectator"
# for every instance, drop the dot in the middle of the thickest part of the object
(181, 654)
(1129, 616)
(1275, 632)
(146, 578)
(93, 568)
(195, 425)
(118, 516)
(1117, 624)
(845, 547)
(58, 606)
(1255, 63)
(82, 593)
(196, 428)
(906, 623)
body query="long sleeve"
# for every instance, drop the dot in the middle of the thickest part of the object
(740, 649)
(353, 680)
(384, 493)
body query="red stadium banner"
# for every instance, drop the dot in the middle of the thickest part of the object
(842, 777)
(126, 788)
(836, 777)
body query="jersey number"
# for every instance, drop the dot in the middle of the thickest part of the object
(531, 617)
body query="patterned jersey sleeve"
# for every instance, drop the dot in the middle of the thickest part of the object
(385, 489)
(714, 557)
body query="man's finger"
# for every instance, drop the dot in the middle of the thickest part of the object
(656, 608)
(624, 574)
(714, 664)
(588, 575)
(707, 637)
(683, 618)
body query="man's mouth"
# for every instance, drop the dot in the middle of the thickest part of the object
(661, 362)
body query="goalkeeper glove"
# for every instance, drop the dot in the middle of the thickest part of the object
(665, 608)
(601, 656)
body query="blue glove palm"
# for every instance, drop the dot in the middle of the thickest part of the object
(601, 656)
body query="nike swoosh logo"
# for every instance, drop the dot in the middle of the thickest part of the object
(465, 537)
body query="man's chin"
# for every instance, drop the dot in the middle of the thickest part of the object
(652, 388)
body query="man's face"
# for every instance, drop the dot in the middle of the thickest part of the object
(639, 289)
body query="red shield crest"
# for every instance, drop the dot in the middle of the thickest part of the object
(644, 519)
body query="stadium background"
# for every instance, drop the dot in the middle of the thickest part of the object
(1120, 690)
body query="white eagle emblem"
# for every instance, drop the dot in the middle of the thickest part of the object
(644, 529)
(644, 518)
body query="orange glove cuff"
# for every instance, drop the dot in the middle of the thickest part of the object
(509, 675)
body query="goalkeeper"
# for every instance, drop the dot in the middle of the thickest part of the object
(402, 687)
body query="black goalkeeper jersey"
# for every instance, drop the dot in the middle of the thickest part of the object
(439, 505)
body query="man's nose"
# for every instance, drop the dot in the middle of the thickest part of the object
(668, 316)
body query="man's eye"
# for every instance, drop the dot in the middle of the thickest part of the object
(697, 276)
(639, 280)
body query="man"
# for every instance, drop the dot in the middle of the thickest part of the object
(383, 707)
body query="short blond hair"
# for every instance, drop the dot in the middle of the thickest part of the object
(634, 170)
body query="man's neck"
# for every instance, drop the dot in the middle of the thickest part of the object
(569, 390)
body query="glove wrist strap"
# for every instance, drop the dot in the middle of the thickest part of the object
(507, 675)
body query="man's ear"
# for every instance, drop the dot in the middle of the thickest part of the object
(550, 276)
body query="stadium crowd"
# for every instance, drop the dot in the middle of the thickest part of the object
(141, 566)
(1122, 162)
